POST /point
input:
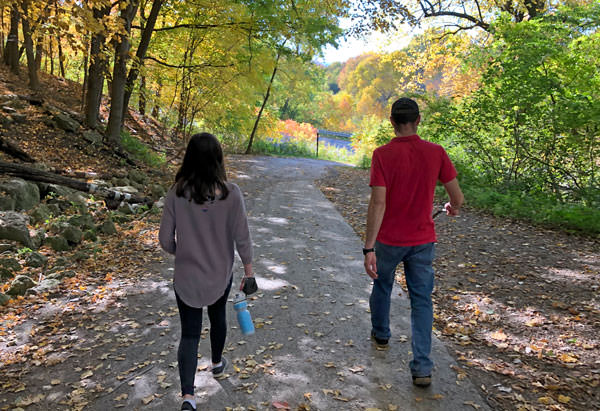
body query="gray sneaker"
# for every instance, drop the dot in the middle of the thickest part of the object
(220, 370)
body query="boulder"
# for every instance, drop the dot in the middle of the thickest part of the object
(59, 275)
(5, 121)
(20, 285)
(13, 226)
(10, 263)
(54, 209)
(36, 259)
(6, 274)
(7, 247)
(90, 235)
(92, 136)
(58, 243)
(7, 203)
(40, 214)
(72, 234)
(107, 227)
(81, 255)
(45, 286)
(65, 122)
(16, 103)
(25, 194)
(4, 299)
(138, 176)
(159, 204)
(83, 221)
(126, 208)
(18, 117)
(37, 239)
(157, 191)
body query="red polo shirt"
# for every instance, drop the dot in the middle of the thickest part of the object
(409, 169)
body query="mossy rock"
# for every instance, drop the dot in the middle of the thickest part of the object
(10, 263)
(108, 227)
(6, 274)
(4, 299)
(90, 235)
(36, 259)
(81, 255)
(20, 285)
(58, 243)
(40, 214)
(72, 234)
(83, 221)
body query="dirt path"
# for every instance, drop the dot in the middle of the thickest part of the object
(519, 304)
(111, 342)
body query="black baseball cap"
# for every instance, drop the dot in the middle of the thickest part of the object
(404, 106)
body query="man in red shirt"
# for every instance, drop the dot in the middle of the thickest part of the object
(400, 228)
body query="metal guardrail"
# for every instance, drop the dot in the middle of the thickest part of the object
(339, 134)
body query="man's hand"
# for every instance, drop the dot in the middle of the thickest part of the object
(371, 265)
(451, 210)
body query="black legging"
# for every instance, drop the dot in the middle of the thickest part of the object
(191, 327)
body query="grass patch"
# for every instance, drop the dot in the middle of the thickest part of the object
(538, 208)
(141, 151)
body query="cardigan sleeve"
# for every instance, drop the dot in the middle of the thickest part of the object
(241, 232)
(166, 235)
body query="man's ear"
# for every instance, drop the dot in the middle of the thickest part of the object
(418, 120)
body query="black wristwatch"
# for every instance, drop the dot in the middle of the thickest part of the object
(368, 250)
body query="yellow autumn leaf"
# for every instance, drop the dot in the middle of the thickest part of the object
(563, 399)
(545, 400)
(499, 335)
(567, 358)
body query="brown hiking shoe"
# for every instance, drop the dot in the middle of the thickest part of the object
(422, 381)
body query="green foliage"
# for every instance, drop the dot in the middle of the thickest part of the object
(141, 151)
(373, 132)
(535, 120)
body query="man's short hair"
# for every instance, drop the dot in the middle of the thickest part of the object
(405, 110)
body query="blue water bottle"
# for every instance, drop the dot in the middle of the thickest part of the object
(243, 315)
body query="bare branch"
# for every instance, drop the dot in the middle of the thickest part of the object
(183, 66)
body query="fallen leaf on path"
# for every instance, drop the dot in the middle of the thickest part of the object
(281, 405)
(148, 399)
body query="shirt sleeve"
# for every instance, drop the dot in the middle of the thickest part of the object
(447, 170)
(241, 232)
(377, 177)
(166, 235)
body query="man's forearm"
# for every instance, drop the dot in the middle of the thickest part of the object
(374, 219)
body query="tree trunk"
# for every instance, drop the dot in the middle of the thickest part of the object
(155, 109)
(34, 81)
(85, 75)
(39, 53)
(50, 55)
(95, 73)
(142, 97)
(11, 51)
(141, 53)
(119, 80)
(35, 174)
(268, 93)
(14, 151)
(61, 58)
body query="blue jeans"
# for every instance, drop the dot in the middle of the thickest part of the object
(419, 280)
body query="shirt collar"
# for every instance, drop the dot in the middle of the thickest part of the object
(406, 138)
